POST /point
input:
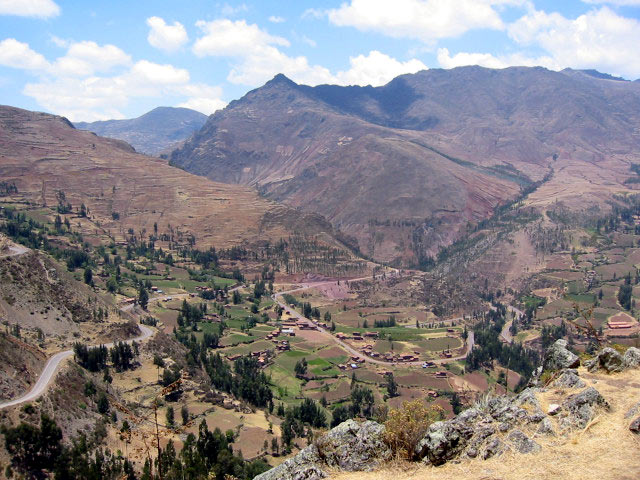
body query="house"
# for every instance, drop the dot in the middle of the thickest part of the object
(615, 325)
(441, 374)
(371, 334)
(286, 331)
(354, 366)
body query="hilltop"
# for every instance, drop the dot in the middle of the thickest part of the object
(405, 167)
(155, 132)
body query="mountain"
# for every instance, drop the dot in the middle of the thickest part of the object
(155, 132)
(405, 167)
(48, 159)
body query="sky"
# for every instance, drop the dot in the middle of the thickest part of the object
(117, 59)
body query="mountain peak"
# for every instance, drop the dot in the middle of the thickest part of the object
(281, 78)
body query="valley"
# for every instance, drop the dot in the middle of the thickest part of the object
(370, 255)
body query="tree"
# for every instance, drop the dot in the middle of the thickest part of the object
(340, 414)
(103, 403)
(236, 298)
(34, 449)
(392, 386)
(143, 297)
(301, 367)
(88, 276)
(184, 413)
(171, 420)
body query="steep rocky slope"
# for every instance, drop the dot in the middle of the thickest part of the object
(564, 425)
(155, 132)
(405, 166)
(44, 155)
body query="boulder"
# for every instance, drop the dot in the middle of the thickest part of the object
(580, 409)
(444, 441)
(545, 428)
(559, 357)
(608, 360)
(306, 465)
(521, 443)
(631, 357)
(351, 446)
(569, 379)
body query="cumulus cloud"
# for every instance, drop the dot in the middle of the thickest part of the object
(29, 8)
(376, 69)
(446, 60)
(82, 85)
(426, 20)
(257, 57)
(599, 39)
(19, 55)
(233, 38)
(86, 58)
(276, 19)
(166, 37)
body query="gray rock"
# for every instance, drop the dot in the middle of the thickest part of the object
(607, 359)
(579, 409)
(558, 357)
(545, 428)
(494, 447)
(635, 426)
(351, 446)
(521, 443)
(631, 357)
(444, 441)
(306, 465)
(554, 409)
(633, 411)
(354, 446)
(569, 379)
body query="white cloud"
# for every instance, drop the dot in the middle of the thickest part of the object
(166, 37)
(75, 85)
(86, 58)
(29, 8)
(446, 60)
(276, 19)
(228, 38)
(19, 55)
(255, 53)
(426, 20)
(599, 39)
(376, 69)
(229, 11)
(622, 3)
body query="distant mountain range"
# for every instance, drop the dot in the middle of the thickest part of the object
(404, 167)
(155, 132)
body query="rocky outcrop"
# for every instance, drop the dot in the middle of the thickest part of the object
(631, 358)
(579, 409)
(559, 357)
(351, 446)
(607, 359)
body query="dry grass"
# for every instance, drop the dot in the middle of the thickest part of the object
(605, 449)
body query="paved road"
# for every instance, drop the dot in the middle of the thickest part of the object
(52, 365)
(345, 345)
(506, 330)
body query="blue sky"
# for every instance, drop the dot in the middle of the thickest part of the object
(119, 59)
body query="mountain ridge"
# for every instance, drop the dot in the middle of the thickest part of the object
(157, 131)
(430, 151)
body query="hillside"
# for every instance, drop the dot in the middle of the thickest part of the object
(53, 164)
(405, 167)
(153, 133)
